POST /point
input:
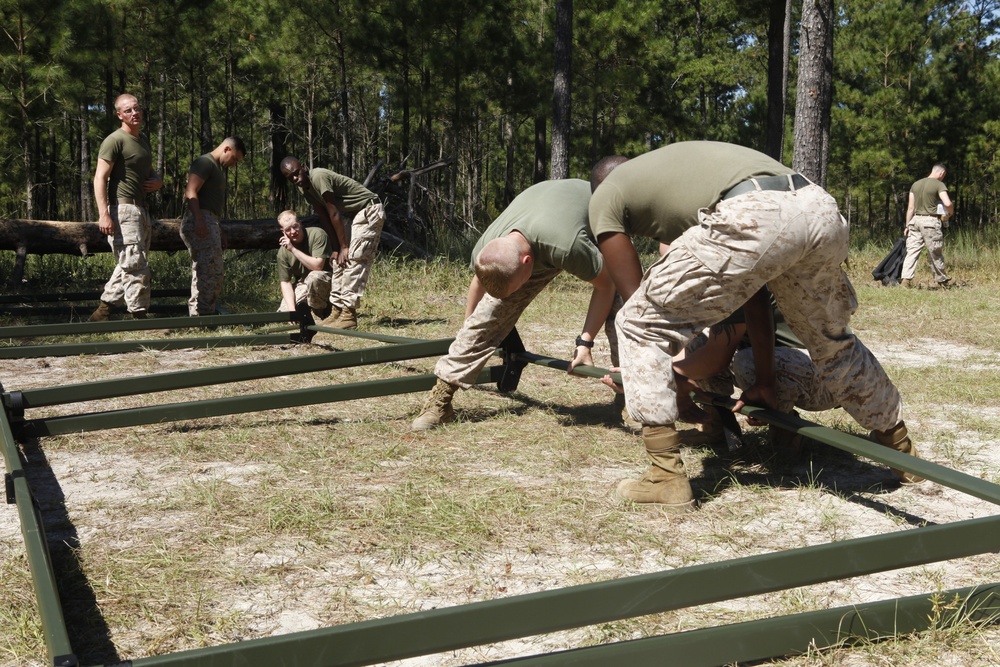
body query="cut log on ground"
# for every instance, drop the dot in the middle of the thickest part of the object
(50, 237)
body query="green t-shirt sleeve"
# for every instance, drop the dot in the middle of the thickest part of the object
(284, 265)
(111, 149)
(203, 166)
(583, 260)
(319, 243)
(608, 212)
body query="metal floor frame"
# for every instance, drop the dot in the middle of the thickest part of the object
(440, 630)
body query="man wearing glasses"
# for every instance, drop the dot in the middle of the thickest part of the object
(123, 176)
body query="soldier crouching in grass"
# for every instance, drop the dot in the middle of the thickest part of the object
(303, 267)
(543, 232)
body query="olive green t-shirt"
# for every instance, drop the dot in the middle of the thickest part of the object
(552, 216)
(349, 195)
(131, 164)
(658, 194)
(926, 193)
(212, 195)
(291, 269)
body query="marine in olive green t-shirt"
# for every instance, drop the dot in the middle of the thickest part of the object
(349, 195)
(212, 194)
(291, 269)
(658, 194)
(926, 195)
(131, 164)
(552, 216)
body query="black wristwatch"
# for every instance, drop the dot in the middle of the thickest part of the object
(586, 343)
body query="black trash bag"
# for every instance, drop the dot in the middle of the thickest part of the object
(890, 269)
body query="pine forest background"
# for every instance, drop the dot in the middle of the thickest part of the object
(389, 84)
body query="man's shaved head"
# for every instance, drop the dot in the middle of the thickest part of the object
(604, 167)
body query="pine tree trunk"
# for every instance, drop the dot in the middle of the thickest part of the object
(815, 91)
(86, 189)
(538, 173)
(776, 79)
(561, 89)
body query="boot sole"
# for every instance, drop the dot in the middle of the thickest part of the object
(669, 508)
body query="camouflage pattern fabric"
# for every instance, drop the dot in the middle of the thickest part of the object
(314, 290)
(350, 280)
(488, 325)
(131, 280)
(795, 242)
(925, 230)
(207, 271)
(485, 329)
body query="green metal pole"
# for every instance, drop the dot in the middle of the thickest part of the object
(98, 421)
(785, 635)
(75, 328)
(116, 347)
(92, 391)
(973, 486)
(435, 631)
(82, 296)
(560, 364)
(354, 333)
(39, 561)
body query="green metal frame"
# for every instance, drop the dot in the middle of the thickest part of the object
(452, 628)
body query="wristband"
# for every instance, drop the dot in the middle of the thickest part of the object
(585, 343)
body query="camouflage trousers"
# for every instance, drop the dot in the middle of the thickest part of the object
(313, 290)
(131, 281)
(924, 230)
(797, 381)
(206, 263)
(795, 243)
(486, 328)
(350, 280)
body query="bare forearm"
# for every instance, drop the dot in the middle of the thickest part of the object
(622, 262)
(601, 300)
(474, 296)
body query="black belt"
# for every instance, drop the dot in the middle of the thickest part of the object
(128, 200)
(768, 183)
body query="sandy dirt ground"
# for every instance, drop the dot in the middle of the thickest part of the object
(309, 582)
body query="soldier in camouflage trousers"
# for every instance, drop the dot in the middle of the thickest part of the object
(735, 221)
(541, 234)
(205, 195)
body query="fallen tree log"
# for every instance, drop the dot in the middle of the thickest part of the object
(51, 237)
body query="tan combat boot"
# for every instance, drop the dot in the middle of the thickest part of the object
(332, 317)
(907, 282)
(348, 319)
(665, 483)
(437, 408)
(101, 314)
(322, 313)
(897, 438)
